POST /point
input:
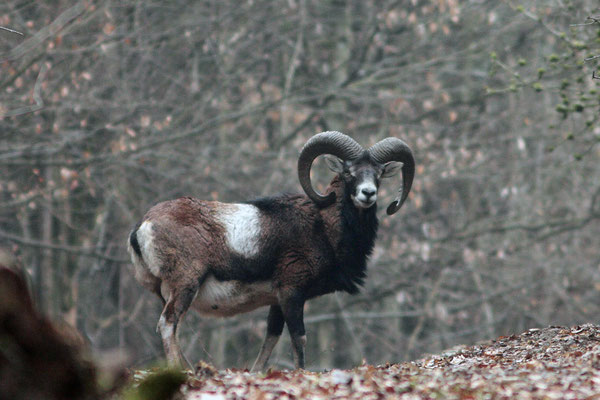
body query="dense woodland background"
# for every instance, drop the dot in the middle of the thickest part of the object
(111, 106)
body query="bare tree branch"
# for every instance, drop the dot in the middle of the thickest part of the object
(37, 97)
(48, 31)
(81, 251)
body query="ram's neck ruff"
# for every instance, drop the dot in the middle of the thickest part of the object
(357, 234)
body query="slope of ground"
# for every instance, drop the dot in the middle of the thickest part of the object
(550, 363)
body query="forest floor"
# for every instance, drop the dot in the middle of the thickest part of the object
(549, 363)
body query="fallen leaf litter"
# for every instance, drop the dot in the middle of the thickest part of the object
(550, 363)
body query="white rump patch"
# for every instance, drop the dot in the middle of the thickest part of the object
(242, 228)
(145, 237)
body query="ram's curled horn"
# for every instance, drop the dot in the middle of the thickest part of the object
(331, 142)
(394, 149)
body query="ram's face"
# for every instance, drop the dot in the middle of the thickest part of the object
(362, 178)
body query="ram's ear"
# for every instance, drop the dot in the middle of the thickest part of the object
(391, 168)
(334, 164)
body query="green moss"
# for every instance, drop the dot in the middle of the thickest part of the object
(161, 385)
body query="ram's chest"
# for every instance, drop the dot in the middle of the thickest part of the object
(225, 298)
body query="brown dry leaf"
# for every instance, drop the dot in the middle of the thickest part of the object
(554, 362)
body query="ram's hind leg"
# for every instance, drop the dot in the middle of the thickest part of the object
(275, 323)
(178, 303)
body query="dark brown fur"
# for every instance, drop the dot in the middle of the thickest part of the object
(304, 253)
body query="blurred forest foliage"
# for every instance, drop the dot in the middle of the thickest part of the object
(111, 106)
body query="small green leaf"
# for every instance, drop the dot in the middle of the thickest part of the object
(561, 108)
(540, 72)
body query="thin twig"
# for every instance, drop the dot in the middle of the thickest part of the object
(289, 77)
(11, 30)
(350, 327)
(595, 19)
(46, 32)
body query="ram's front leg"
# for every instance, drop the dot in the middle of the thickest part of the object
(293, 313)
(275, 323)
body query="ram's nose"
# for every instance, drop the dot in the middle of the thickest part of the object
(368, 193)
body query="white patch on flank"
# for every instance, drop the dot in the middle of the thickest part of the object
(242, 228)
(145, 237)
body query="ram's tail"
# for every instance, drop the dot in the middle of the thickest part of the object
(133, 241)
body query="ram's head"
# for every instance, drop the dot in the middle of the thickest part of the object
(360, 169)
